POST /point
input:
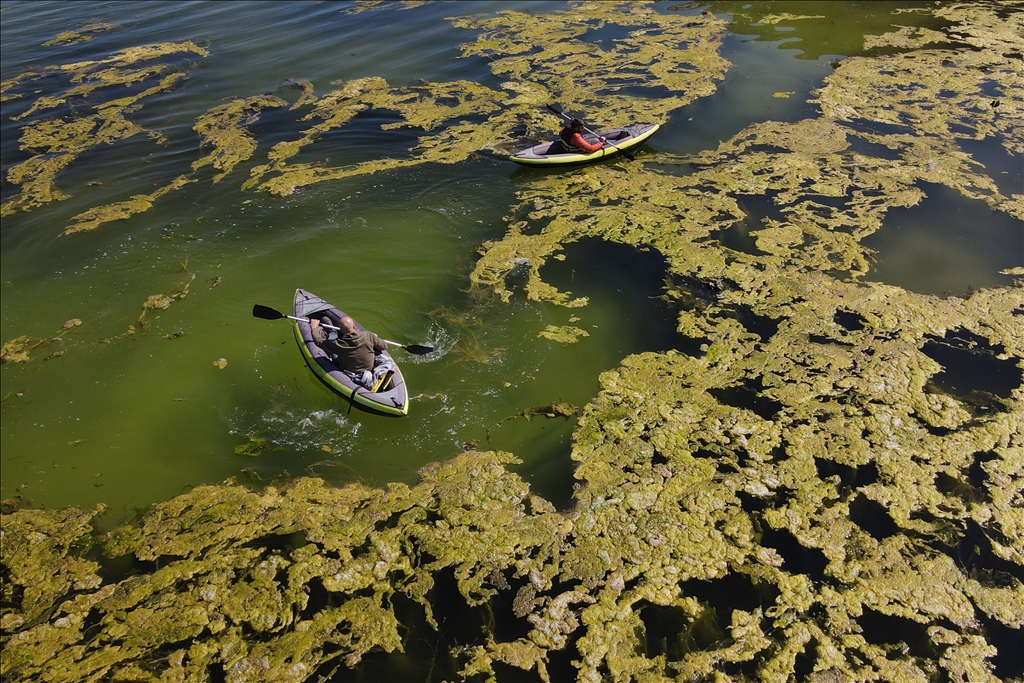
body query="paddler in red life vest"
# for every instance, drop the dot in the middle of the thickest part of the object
(572, 139)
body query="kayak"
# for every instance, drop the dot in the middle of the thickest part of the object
(551, 154)
(390, 396)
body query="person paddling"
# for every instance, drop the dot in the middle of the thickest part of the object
(572, 140)
(357, 352)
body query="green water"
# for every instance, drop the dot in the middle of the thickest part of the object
(138, 420)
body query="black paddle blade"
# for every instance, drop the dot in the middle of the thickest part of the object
(266, 312)
(418, 349)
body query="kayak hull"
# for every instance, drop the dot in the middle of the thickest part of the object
(622, 138)
(393, 401)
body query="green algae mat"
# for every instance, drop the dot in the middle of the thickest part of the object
(830, 487)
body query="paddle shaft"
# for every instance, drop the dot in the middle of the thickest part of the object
(332, 327)
(268, 313)
(306, 320)
(569, 118)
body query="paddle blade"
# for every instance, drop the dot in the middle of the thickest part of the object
(418, 349)
(266, 313)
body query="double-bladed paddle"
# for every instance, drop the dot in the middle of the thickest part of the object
(268, 313)
(626, 154)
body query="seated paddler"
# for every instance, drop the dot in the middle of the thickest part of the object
(357, 352)
(572, 142)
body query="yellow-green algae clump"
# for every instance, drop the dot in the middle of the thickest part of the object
(806, 498)
(223, 128)
(57, 141)
(82, 35)
(17, 350)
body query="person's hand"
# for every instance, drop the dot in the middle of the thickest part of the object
(314, 323)
(602, 139)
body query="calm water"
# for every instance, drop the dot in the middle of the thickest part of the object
(139, 420)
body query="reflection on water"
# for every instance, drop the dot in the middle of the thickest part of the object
(948, 245)
(747, 95)
(816, 29)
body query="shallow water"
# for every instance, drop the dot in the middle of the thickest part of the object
(138, 420)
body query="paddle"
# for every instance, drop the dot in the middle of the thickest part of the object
(626, 154)
(268, 313)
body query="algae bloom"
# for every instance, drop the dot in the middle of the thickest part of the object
(816, 494)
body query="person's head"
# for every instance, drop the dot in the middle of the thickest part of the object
(347, 325)
(576, 125)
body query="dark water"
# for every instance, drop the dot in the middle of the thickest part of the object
(139, 420)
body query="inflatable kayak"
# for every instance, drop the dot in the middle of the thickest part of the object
(389, 396)
(552, 154)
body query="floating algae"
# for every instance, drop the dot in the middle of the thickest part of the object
(178, 290)
(783, 407)
(563, 334)
(93, 218)
(424, 106)
(550, 411)
(365, 5)
(58, 141)
(804, 500)
(681, 491)
(679, 53)
(11, 83)
(212, 583)
(906, 37)
(127, 334)
(18, 350)
(223, 128)
(954, 94)
(41, 553)
(308, 95)
(95, 75)
(772, 19)
(842, 30)
(82, 35)
(253, 447)
(828, 199)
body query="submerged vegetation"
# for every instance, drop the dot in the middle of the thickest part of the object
(819, 494)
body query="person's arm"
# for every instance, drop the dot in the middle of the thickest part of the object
(378, 343)
(319, 336)
(578, 141)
